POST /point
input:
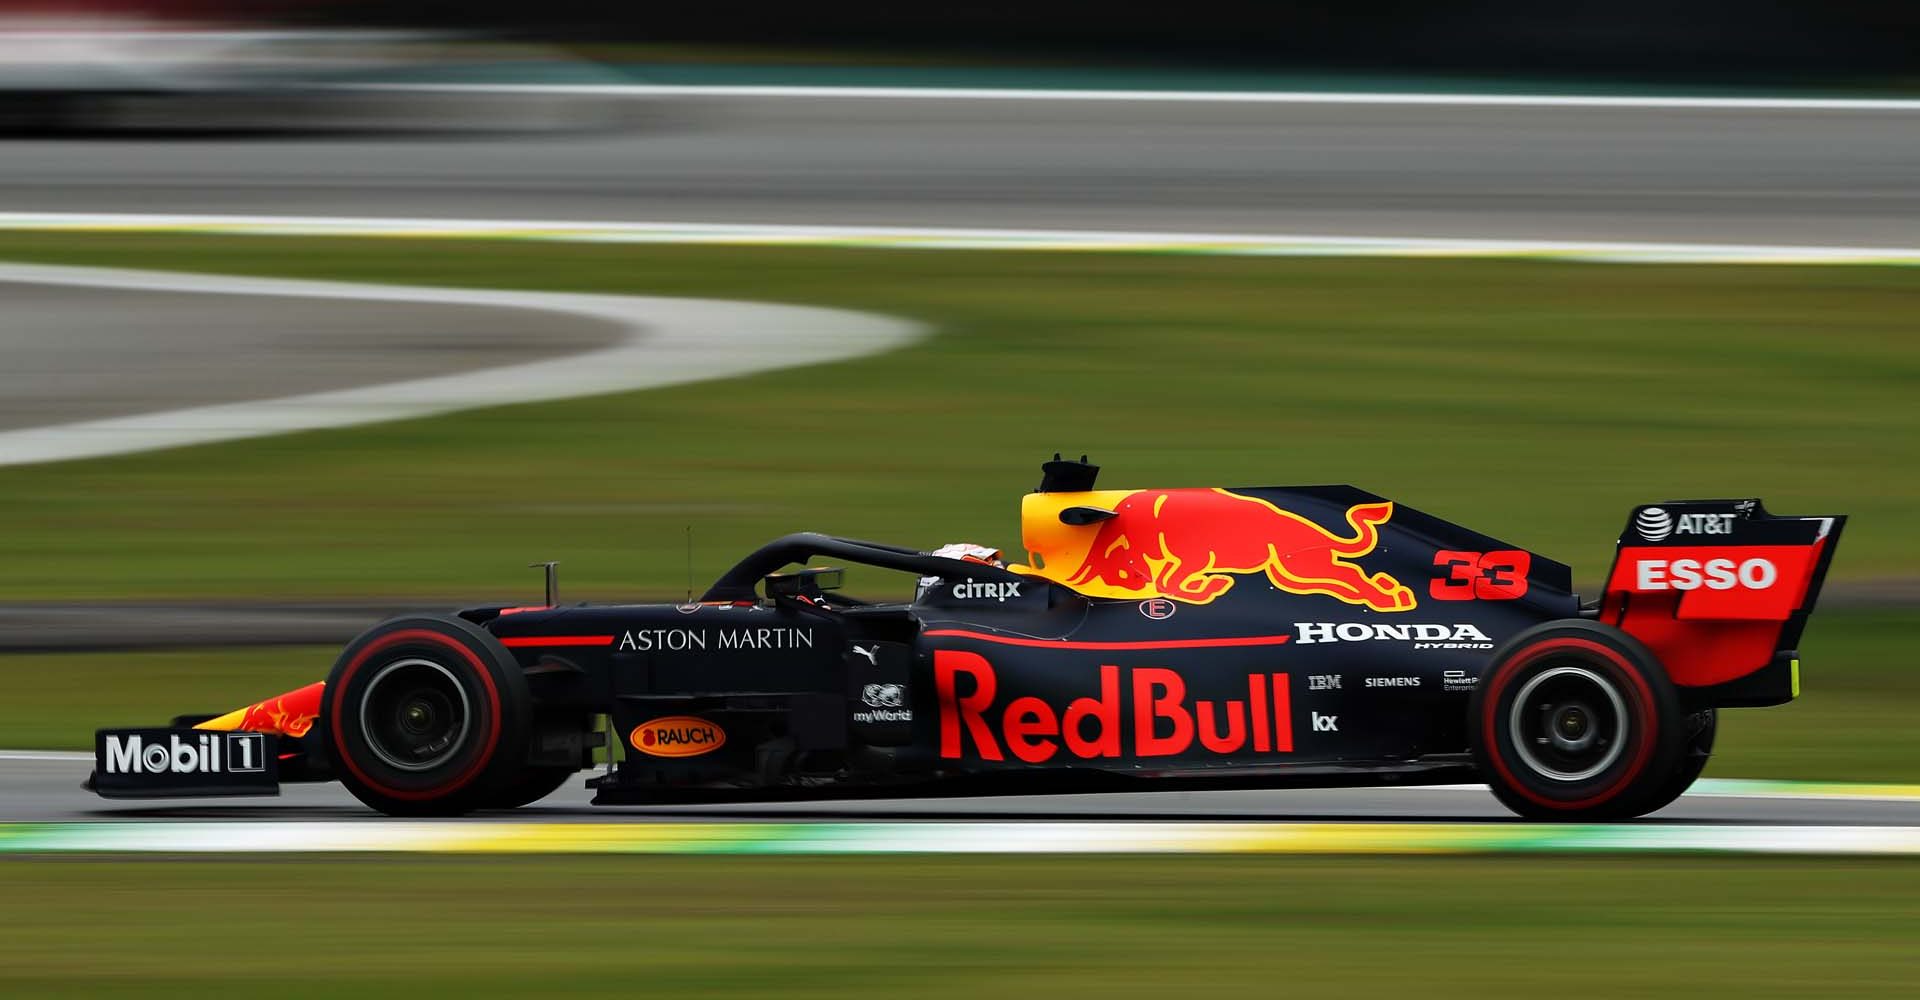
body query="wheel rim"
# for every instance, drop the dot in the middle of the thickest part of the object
(1569, 724)
(415, 715)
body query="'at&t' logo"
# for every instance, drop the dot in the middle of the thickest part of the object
(1655, 524)
(677, 736)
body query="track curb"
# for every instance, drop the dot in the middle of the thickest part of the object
(950, 838)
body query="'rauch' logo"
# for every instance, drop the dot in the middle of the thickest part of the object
(677, 736)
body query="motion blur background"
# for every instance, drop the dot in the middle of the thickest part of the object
(1209, 243)
(1711, 39)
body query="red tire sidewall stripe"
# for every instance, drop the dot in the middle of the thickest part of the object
(429, 637)
(1642, 704)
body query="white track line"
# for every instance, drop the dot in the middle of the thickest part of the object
(947, 238)
(1162, 96)
(668, 342)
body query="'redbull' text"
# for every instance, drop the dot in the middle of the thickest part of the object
(1139, 711)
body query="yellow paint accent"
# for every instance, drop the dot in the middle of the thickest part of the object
(1055, 550)
(227, 722)
(273, 715)
(1796, 676)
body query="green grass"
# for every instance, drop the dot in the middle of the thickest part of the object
(946, 927)
(1854, 718)
(55, 701)
(1536, 400)
(1853, 722)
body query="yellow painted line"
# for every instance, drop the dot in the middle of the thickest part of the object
(947, 838)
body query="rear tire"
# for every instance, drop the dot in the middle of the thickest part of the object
(1575, 720)
(427, 716)
(1701, 727)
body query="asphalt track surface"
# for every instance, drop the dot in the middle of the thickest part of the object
(646, 342)
(106, 353)
(1689, 174)
(46, 788)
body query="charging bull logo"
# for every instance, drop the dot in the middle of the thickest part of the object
(1188, 545)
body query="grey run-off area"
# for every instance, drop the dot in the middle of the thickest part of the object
(1687, 174)
(661, 341)
(71, 354)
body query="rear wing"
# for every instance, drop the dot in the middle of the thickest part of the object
(1720, 590)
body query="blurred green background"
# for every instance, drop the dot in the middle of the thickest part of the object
(1537, 401)
(407, 926)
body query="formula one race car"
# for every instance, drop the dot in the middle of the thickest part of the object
(1168, 638)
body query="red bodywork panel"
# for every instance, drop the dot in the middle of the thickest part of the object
(1723, 600)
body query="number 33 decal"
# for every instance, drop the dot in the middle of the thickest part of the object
(1480, 576)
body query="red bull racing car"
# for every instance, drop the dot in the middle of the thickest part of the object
(1167, 638)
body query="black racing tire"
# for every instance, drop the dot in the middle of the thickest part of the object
(532, 785)
(1575, 720)
(427, 716)
(541, 780)
(535, 783)
(1701, 727)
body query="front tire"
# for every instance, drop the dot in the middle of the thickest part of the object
(427, 716)
(535, 783)
(1576, 720)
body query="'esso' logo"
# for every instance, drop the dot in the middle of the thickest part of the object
(1158, 608)
(1713, 574)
